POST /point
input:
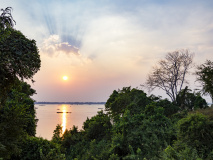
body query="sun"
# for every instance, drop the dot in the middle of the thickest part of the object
(65, 78)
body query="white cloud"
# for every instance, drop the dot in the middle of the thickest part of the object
(54, 46)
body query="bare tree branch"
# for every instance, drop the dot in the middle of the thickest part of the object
(170, 74)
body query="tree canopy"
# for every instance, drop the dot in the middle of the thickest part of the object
(19, 60)
(6, 19)
(205, 76)
(19, 57)
(190, 101)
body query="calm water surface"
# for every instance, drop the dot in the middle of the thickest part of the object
(48, 117)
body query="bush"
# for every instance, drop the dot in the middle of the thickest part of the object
(39, 148)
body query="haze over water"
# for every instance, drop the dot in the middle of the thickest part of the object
(48, 117)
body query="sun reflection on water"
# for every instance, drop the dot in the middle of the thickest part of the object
(64, 119)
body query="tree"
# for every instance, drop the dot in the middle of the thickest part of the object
(57, 134)
(19, 59)
(39, 148)
(133, 99)
(118, 101)
(194, 138)
(13, 120)
(205, 76)
(171, 72)
(98, 127)
(20, 94)
(190, 101)
(148, 131)
(169, 107)
(6, 19)
(17, 119)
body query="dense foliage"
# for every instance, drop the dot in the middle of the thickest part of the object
(190, 101)
(19, 56)
(19, 60)
(205, 76)
(137, 126)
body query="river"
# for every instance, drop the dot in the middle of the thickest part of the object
(68, 115)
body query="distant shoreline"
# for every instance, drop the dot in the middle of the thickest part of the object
(76, 103)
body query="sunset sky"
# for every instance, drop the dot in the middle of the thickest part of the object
(104, 45)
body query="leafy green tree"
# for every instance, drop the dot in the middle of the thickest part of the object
(194, 139)
(98, 127)
(117, 102)
(39, 148)
(205, 76)
(17, 118)
(20, 93)
(141, 128)
(19, 56)
(95, 139)
(149, 132)
(6, 19)
(197, 131)
(97, 150)
(134, 99)
(169, 107)
(57, 134)
(71, 141)
(186, 152)
(190, 101)
(13, 120)
(19, 59)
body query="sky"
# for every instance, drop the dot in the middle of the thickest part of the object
(105, 45)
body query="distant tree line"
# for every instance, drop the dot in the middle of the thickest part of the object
(73, 103)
